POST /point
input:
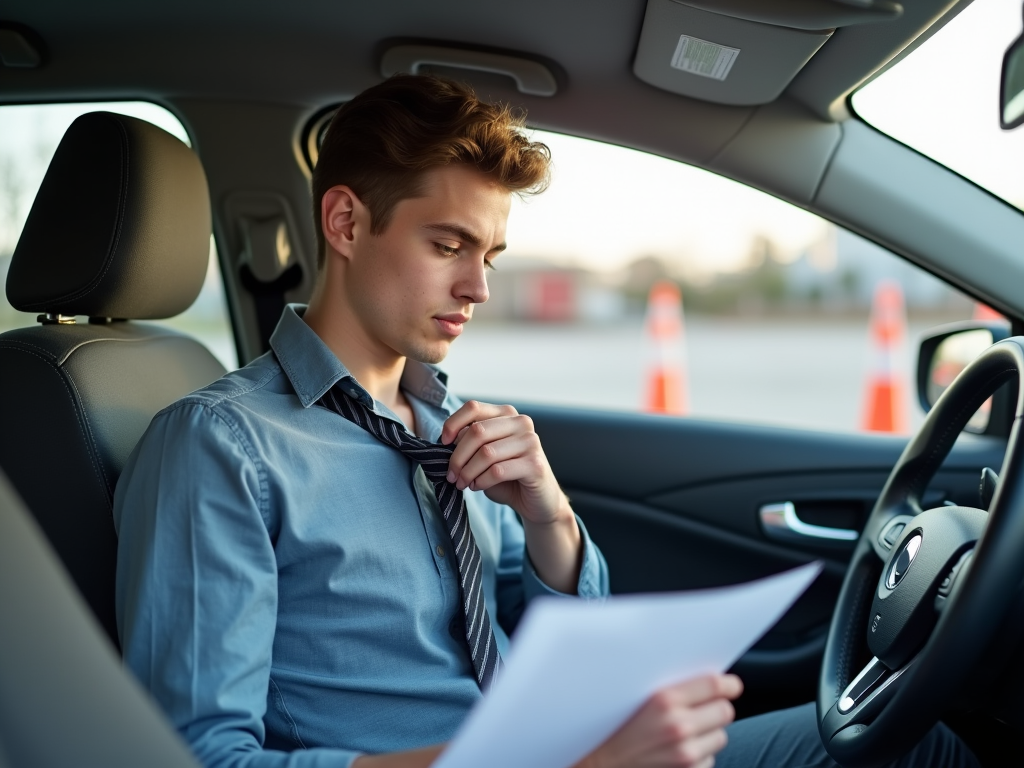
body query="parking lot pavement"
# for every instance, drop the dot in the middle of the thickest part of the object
(785, 372)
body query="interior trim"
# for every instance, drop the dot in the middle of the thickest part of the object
(803, 14)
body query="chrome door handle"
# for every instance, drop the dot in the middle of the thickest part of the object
(781, 523)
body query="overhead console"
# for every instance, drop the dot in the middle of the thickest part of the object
(741, 52)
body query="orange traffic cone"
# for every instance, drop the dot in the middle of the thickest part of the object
(885, 402)
(666, 374)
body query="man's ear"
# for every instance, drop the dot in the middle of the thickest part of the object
(344, 218)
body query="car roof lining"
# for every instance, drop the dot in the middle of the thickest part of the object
(257, 54)
(309, 54)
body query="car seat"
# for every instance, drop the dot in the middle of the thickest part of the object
(65, 698)
(118, 232)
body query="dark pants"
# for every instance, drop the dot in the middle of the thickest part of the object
(789, 739)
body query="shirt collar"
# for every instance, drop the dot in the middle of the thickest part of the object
(312, 368)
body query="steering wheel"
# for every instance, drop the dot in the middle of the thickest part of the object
(926, 591)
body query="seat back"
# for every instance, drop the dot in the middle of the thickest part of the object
(65, 698)
(119, 232)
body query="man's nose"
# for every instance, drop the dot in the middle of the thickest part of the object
(473, 284)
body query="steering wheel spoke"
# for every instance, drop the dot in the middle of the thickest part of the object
(864, 698)
(870, 678)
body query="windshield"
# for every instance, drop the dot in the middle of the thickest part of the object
(942, 99)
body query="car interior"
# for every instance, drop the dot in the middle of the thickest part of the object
(119, 235)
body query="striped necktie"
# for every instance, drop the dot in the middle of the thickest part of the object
(434, 457)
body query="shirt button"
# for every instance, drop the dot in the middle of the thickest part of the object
(439, 550)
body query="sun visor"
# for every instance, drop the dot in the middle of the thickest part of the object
(720, 58)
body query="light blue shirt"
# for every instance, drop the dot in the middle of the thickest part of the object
(286, 586)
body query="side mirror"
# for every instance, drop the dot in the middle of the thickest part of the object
(947, 351)
(1011, 90)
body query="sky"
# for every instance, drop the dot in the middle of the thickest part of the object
(943, 98)
(608, 205)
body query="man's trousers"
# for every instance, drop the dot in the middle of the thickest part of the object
(789, 738)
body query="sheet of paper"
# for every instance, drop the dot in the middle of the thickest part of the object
(578, 670)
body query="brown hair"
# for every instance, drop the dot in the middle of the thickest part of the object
(383, 141)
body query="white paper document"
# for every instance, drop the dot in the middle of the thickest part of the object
(578, 670)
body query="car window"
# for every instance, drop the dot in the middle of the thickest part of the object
(29, 135)
(776, 321)
(942, 99)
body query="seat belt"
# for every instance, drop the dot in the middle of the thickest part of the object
(268, 270)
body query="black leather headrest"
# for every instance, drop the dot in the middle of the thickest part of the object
(119, 228)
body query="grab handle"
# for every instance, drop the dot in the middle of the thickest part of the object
(531, 77)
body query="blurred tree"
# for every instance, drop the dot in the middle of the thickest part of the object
(641, 274)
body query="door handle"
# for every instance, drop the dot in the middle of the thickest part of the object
(781, 523)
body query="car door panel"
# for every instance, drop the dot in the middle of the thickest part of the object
(652, 550)
(837, 500)
(673, 504)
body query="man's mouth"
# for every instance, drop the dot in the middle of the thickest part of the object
(451, 324)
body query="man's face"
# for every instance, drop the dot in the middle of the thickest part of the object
(414, 286)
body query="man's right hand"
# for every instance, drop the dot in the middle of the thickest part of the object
(679, 727)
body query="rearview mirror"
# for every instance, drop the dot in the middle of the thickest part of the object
(1011, 90)
(947, 351)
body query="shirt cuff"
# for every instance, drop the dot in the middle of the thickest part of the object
(593, 581)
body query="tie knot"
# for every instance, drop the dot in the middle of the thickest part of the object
(433, 457)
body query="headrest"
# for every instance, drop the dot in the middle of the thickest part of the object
(120, 227)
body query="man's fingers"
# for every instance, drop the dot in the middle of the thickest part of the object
(480, 433)
(470, 412)
(700, 750)
(492, 453)
(682, 725)
(676, 723)
(514, 469)
(686, 722)
(701, 689)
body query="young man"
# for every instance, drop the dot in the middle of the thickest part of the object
(322, 554)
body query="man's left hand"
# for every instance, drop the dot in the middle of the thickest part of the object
(498, 452)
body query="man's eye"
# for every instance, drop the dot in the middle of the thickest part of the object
(447, 250)
(489, 265)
